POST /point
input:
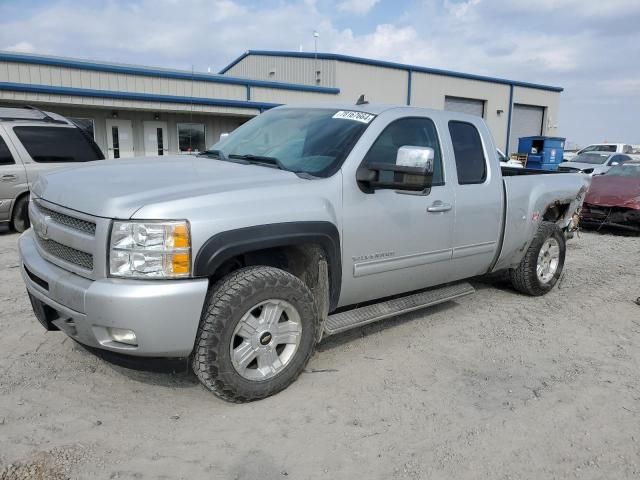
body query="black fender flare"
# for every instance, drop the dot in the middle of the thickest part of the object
(226, 245)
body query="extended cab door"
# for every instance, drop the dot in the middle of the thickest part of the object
(13, 179)
(479, 198)
(396, 241)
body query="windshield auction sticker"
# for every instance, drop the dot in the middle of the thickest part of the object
(356, 116)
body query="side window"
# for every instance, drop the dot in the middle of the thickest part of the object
(58, 144)
(415, 131)
(467, 148)
(5, 155)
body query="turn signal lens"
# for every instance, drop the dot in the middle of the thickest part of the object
(180, 263)
(180, 236)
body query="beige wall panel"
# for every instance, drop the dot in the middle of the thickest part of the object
(430, 90)
(285, 69)
(380, 85)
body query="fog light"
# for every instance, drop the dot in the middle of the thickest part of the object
(122, 335)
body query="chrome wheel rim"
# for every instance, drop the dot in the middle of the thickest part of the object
(548, 260)
(265, 340)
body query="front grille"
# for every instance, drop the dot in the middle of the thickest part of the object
(68, 254)
(67, 220)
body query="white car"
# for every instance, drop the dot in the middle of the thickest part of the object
(601, 147)
(593, 163)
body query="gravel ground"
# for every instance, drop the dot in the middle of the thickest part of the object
(492, 386)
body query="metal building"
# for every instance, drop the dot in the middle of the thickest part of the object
(135, 110)
(512, 109)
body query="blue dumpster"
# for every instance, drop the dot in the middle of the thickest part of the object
(544, 153)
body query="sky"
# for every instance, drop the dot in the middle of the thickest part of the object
(589, 47)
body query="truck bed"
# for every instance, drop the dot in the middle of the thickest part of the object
(527, 196)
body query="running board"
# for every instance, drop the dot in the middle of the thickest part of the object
(339, 322)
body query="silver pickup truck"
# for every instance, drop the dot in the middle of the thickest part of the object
(304, 222)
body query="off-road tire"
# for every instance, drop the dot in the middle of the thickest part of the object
(227, 301)
(524, 278)
(20, 217)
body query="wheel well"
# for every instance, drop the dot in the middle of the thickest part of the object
(556, 212)
(306, 261)
(15, 202)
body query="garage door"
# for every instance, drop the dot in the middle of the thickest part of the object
(526, 121)
(464, 105)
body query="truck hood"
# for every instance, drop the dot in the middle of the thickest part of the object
(118, 188)
(614, 191)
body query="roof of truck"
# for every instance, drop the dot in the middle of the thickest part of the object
(373, 108)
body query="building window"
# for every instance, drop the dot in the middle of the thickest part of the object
(85, 124)
(191, 137)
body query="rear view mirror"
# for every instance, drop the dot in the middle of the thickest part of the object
(613, 164)
(413, 171)
(224, 135)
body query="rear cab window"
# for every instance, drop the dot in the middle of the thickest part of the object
(57, 144)
(468, 151)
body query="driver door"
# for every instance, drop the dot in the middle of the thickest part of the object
(397, 241)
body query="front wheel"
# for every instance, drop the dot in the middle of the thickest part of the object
(257, 332)
(542, 265)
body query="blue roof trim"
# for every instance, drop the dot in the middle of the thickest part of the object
(383, 63)
(147, 97)
(158, 72)
(238, 60)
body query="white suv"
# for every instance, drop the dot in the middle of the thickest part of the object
(33, 142)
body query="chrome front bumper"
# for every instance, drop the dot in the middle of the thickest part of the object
(163, 314)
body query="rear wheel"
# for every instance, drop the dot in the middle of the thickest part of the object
(542, 265)
(257, 333)
(20, 218)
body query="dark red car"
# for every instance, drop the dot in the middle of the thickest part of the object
(614, 198)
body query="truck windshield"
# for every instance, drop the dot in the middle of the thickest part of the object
(599, 148)
(312, 141)
(592, 158)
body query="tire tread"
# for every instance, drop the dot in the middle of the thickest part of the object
(230, 293)
(524, 277)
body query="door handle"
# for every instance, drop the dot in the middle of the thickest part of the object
(9, 178)
(439, 206)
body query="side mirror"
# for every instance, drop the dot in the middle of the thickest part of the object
(413, 171)
(613, 164)
(223, 136)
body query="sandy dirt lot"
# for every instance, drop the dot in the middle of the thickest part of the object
(492, 386)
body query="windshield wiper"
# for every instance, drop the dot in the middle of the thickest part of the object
(213, 153)
(260, 159)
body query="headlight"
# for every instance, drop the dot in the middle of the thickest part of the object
(150, 250)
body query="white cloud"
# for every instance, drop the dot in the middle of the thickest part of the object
(22, 47)
(582, 45)
(460, 9)
(357, 7)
